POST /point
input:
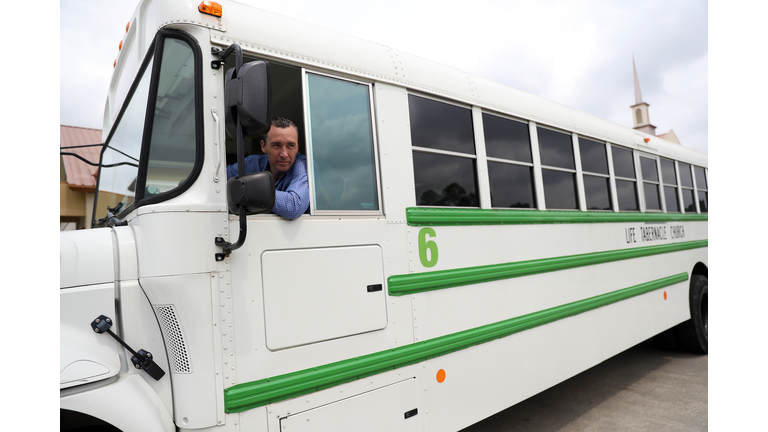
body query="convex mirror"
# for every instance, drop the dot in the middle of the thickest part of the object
(255, 191)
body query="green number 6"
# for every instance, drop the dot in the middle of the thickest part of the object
(425, 246)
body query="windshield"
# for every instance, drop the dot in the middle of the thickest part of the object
(171, 146)
(120, 160)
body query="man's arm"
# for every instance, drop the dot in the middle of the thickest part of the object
(251, 165)
(294, 201)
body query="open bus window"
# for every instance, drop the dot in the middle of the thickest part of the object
(341, 144)
(444, 162)
(286, 102)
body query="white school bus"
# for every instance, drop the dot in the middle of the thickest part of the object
(467, 245)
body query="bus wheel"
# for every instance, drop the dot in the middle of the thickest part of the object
(693, 334)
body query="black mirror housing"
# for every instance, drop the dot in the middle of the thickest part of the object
(248, 97)
(255, 192)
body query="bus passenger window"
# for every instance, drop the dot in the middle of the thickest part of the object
(650, 183)
(558, 170)
(594, 164)
(669, 179)
(510, 164)
(701, 188)
(686, 181)
(624, 170)
(444, 163)
(341, 145)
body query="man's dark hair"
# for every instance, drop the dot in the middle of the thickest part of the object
(282, 123)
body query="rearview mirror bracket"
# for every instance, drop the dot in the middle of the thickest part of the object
(248, 104)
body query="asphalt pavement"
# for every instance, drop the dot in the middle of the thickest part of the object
(641, 389)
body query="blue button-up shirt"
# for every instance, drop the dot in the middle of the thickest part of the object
(291, 189)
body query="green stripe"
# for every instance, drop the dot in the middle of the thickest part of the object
(442, 279)
(250, 395)
(418, 216)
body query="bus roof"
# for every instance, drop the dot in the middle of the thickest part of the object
(280, 38)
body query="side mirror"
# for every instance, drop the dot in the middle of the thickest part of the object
(248, 97)
(255, 192)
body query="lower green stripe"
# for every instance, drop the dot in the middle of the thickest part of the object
(243, 397)
(420, 282)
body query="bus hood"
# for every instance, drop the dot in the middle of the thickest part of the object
(87, 290)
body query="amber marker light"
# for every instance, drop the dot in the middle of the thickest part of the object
(210, 8)
(114, 64)
(120, 48)
(127, 26)
(665, 295)
(440, 376)
(647, 139)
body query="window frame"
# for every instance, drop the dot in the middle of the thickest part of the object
(309, 147)
(657, 183)
(616, 177)
(584, 173)
(578, 190)
(675, 185)
(698, 188)
(530, 165)
(684, 188)
(474, 157)
(155, 52)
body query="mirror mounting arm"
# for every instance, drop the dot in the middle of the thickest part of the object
(247, 103)
(221, 57)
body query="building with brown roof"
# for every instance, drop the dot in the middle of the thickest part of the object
(77, 181)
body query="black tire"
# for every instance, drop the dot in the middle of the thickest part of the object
(693, 334)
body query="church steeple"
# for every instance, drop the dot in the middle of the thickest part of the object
(640, 116)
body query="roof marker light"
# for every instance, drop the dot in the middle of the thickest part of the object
(647, 139)
(210, 8)
(120, 48)
(127, 25)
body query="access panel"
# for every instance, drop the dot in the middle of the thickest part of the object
(391, 408)
(313, 295)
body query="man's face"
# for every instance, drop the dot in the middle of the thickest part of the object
(281, 148)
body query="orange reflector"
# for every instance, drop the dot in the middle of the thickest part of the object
(665, 295)
(120, 48)
(115, 63)
(127, 25)
(210, 8)
(440, 376)
(646, 139)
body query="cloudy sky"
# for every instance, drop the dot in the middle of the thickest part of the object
(578, 53)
